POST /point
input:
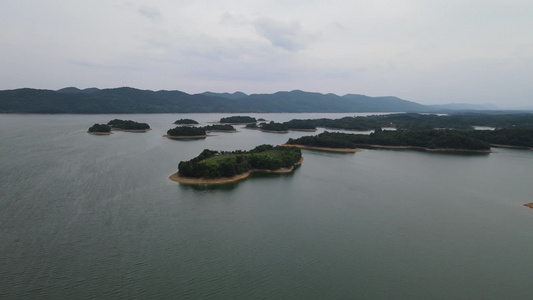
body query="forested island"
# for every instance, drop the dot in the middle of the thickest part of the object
(186, 122)
(274, 127)
(218, 167)
(430, 140)
(128, 125)
(219, 128)
(186, 132)
(236, 120)
(100, 129)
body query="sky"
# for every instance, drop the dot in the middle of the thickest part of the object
(427, 51)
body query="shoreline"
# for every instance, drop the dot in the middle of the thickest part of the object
(182, 137)
(131, 130)
(425, 149)
(329, 149)
(224, 180)
(273, 131)
(301, 129)
(100, 133)
(511, 147)
(218, 130)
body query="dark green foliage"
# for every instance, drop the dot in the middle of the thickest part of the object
(213, 164)
(238, 120)
(100, 128)
(300, 124)
(446, 139)
(225, 127)
(185, 121)
(517, 137)
(422, 121)
(186, 131)
(272, 126)
(128, 125)
(253, 126)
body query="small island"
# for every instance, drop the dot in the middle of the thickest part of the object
(238, 120)
(274, 127)
(186, 122)
(219, 128)
(428, 140)
(217, 167)
(301, 125)
(128, 125)
(100, 129)
(185, 132)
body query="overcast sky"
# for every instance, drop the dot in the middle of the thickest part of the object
(427, 51)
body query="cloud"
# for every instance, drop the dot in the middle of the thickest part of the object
(150, 12)
(288, 36)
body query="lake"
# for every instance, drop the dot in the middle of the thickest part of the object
(96, 217)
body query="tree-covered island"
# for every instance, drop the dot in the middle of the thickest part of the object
(186, 122)
(186, 132)
(220, 128)
(430, 140)
(128, 125)
(218, 167)
(236, 120)
(100, 129)
(274, 127)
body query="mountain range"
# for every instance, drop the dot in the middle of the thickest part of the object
(131, 100)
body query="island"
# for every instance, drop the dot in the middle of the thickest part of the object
(428, 140)
(219, 128)
(128, 125)
(186, 122)
(99, 129)
(300, 125)
(220, 167)
(238, 120)
(186, 132)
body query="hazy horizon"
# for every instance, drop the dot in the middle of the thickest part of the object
(429, 52)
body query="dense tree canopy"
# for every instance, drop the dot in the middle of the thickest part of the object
(100, 128)
(238, 120)
(432, 139)
(273, 126)
(185, 122)
(223, 127)
(128, 125)
(186, 131)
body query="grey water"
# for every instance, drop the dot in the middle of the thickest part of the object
(96, 217)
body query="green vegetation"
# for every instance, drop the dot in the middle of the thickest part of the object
(128, 125)
(300, 124)
(252, 126)
(238, 120)
(100, 128)
(515, 137)
(217, 127)
(185, 122)
(186, 131)
(272, 126)
(422, 121)
(214, 164)
(431, 139)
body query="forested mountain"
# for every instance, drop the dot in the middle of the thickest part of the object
(130, 100)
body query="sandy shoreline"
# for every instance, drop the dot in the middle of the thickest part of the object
(530, 205)
(306, 130)
(511, 147)
(274, 131)
(99, 133)
(219, 130)
(343, 150)
(426, 149)
(223, 180)
(182, 137)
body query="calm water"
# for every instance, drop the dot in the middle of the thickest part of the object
(96, 217)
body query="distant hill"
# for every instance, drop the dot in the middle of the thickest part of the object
(130, 100)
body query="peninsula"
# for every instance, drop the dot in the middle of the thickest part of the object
(218, 167)
(428, 140)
